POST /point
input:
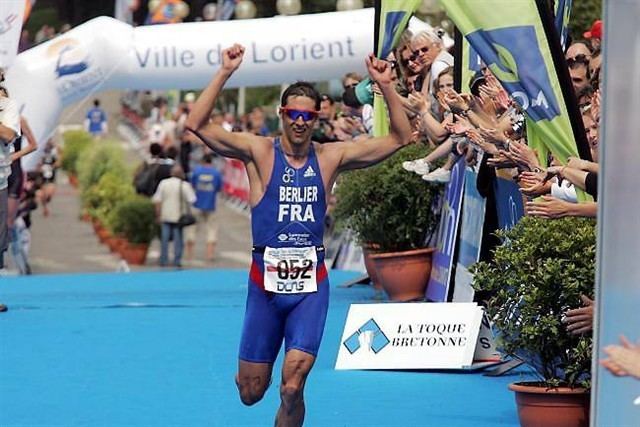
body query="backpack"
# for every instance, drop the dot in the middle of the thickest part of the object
(145, 181)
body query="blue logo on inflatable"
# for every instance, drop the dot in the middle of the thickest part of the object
(71, 57)
(513, 55)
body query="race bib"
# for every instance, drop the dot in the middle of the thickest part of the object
(47, 171)
(290, 270)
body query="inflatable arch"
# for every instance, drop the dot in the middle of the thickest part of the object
(104, 54)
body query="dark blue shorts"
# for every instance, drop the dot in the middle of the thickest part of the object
(270, 318)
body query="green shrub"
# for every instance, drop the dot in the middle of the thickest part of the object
(102, 198)
(540, 271)
(75, 142)
(386, 205)
(100, 159)
(135, 219)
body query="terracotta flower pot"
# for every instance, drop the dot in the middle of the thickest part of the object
(135, 254)
(120, 244)
(539, 406)
(404, 275)
(103, 234)
(367, 251)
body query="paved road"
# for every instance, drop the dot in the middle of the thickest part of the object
(62, 243)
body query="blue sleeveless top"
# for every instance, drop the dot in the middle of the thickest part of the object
(292, 210)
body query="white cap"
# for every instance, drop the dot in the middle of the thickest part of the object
(190, 97)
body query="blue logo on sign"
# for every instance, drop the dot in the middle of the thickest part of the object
(369, 335)
(513, 55)
(67, 65)
(391, 24)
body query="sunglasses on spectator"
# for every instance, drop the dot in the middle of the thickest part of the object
(294, 113)
(577, 60)
(393, 64)
(350, 85)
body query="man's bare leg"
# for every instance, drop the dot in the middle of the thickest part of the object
(211, 250)
(295, 370)
(252, 380)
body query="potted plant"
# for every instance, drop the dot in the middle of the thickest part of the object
(135, 220)
(101, 199)
(75, 142)
(537, 274)
(389, 211)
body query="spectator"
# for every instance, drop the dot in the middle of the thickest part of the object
(96, 120)
(9, 130)
(207, 182)
(170, 199)
(594, 35)
(145, 178)
(324, 130)
(16, 187)
(578, 57)
(257, 123)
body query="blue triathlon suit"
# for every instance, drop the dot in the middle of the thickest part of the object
(285, 218)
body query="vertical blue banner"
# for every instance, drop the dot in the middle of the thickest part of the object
(615, 399)
(438, 287)
(473, 210)
(508, 203)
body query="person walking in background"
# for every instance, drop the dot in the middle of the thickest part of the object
(96, 121)
(172, 199)
(207, 182)
(48, 167)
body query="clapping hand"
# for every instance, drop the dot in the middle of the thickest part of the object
(580, 320)
(623, 359)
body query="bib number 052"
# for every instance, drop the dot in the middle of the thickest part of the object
(290, 270)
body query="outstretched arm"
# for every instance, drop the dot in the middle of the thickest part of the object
(226, 143)
(32, 145)
(366, 153)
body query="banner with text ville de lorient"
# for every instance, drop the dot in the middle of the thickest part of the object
(520, 46)
(391, 19)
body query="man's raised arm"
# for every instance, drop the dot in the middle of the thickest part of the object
(374, 150)
(223, 142)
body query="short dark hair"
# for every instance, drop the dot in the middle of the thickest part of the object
(207, 158)
(155, 149)
(172, 153)
(327, 97)
(301, 89)
(96, 102)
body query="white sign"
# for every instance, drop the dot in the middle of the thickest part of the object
(11, 14)
(410, 336)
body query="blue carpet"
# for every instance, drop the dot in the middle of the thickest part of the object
(160, 349)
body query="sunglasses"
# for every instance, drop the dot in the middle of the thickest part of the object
(393, 64)
(577, 60)
(413, 58)
(293, 114)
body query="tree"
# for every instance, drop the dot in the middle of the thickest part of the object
(582, 16)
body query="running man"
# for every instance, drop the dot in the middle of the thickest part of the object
(290, 179)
